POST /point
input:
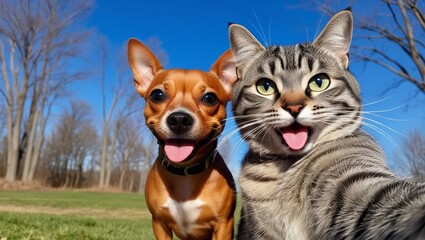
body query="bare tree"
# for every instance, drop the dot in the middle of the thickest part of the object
(131, 149)
(396, 28)
(85, 146)
(147, 160)
(113, 115)
(37, 38)
(3, 152)
(69, 145)
(414, 153)
(2, 120)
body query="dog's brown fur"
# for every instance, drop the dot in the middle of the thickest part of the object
(198, 206)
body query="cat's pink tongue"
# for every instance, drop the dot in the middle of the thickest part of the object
(295, 136)
(178, 150)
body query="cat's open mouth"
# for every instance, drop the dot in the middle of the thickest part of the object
(295, 136)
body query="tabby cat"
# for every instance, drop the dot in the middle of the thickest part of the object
(311, 172)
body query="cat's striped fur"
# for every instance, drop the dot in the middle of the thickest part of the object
(337, 186)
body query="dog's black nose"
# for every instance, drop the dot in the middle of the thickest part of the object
(179, 122)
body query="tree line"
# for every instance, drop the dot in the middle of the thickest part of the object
(38, 40)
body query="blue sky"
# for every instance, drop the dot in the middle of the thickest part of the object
(194, 33)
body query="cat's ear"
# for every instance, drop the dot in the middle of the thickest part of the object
(244, 46)
(336, 36)
(143, 64)
(225, 69)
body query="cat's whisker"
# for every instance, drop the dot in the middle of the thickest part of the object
(373, 127)
(239, 143)
(376, 102)
(257, 121)
(387, 118)
(389, 109)
(246, 124)
(252, 131)
(329, 111)
(362, 111)
(252, 115)
(382, 132)
(261, 32)
(227, 136)
(385, 126)
(270, 28)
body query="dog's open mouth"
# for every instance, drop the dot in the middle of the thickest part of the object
(295, 136)
(178, 150)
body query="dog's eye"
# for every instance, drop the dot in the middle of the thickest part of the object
(210, 99)
(157, 95)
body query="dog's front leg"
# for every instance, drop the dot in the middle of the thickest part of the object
(161, 231)
(224, 230)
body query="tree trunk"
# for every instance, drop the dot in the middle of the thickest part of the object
(37, 147)
(13, 153)
(111, 157)
(124, 167)
(36, 116)
(102, 169)
(122, 176)
(130, 186)
(141, 181)
(30, 147)
(65, 171)
(147, 155)
(79, 169)
(13, 148)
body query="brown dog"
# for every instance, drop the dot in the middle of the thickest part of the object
(189, 190)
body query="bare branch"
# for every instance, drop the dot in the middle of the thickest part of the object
(388, 58)
(413, 5)
(387, 35)
(395, 19)
(410, 37)
(5, 77)
(391, 69)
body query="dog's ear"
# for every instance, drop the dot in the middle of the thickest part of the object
(225, 69)
(143, 64)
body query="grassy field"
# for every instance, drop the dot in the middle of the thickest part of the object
(73, 215)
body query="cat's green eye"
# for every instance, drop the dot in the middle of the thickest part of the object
(319, 83)
(266, 86)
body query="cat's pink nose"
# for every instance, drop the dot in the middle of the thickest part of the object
(294, 110)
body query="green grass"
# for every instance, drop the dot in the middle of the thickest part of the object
(46, 226)
(72, 199)
(74, 215)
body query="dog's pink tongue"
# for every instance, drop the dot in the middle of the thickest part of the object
(178, 151)
(296, 137)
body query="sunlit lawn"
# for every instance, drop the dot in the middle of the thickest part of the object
(73, 215)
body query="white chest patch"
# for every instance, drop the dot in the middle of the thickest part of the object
(185, 213)
(295, 231)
